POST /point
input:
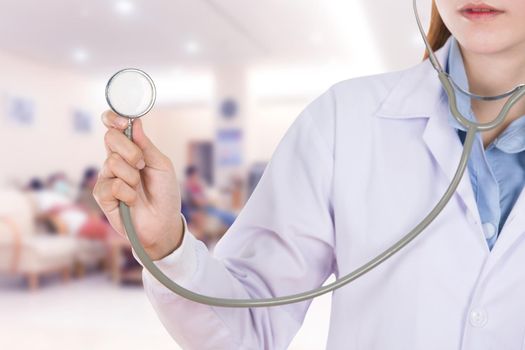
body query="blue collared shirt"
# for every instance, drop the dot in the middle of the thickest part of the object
(497, 173)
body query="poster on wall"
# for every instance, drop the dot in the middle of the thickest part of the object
(82, 121)
(20, 110)
(229, 147)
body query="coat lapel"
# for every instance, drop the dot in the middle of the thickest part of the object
(419, 94)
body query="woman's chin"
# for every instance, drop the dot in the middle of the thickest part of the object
(483, 42)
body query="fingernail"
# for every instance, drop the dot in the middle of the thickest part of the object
(141, 164)
(120, 122)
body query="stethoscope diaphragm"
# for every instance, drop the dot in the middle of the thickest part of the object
(130, 93)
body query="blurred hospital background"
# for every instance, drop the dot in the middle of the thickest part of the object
(231, 76)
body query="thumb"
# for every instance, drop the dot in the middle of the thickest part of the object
(152, 155)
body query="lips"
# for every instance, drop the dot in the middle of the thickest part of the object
(479, 8)
(480, 11)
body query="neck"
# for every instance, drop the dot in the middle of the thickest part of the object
(494, 74)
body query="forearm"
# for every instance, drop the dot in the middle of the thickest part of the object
(194, 325)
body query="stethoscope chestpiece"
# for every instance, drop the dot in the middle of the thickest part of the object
(130, 93)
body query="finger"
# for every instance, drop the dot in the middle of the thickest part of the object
(127, 149)
(123, 192)
(103, 195)
(116, 167)
(108, 150)
(110, 191)
(152, 155)
(112, 120)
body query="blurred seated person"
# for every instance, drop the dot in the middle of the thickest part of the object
(85, 192)
(196, 206)
(54, 205)
(58, 182)
(57, 209)
(97, 225)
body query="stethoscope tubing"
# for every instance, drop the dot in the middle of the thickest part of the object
(294, 298)
(472, 129)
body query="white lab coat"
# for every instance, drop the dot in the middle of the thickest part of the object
(358, 168)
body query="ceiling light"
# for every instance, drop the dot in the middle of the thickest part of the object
(80, 55)
(124, 7)
(192, 47)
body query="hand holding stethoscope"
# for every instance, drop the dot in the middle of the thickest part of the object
(137, 173)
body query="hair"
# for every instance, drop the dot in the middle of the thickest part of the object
(191, 169)
(438, 33)
(90, 173)
(35, 184)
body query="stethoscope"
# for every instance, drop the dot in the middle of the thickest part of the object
(131, 93)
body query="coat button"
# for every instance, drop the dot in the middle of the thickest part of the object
(478, 317)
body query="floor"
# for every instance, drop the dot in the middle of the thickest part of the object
(92, 313)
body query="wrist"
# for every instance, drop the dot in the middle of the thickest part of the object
(169, 245)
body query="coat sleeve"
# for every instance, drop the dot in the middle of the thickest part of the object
(281, 243)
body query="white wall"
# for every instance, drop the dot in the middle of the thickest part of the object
(50, 144)
(266, 126)
(170, 129)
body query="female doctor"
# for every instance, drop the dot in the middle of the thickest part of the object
(358, 168)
